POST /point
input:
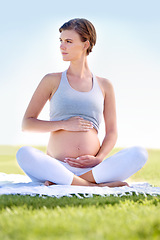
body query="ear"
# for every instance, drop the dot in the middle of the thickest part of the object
(86, 44)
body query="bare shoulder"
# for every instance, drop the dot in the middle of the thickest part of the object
(105, 85)
(50, 82)
(52, 78)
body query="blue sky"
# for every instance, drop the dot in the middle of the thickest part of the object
(127, 53)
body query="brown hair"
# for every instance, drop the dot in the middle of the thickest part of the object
(84, 28)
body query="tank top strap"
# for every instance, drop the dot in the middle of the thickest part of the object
(96, 86)
(64, 77)
(64, 82)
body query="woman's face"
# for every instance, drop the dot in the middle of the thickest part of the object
(72, 48)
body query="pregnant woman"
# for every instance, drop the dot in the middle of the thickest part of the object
(78, 101)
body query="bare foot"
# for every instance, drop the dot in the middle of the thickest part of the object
(113, 184)
(48, 183)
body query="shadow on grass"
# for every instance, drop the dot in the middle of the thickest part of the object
(36, 202)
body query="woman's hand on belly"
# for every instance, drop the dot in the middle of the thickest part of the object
(85, 161)
(77, 124)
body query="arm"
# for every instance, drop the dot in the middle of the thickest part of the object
(110, 120)
(42, 94)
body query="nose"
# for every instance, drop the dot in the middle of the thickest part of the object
(62, 46)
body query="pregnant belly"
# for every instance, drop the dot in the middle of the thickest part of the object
(73, 144)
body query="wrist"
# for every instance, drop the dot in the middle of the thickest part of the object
(57, 125)
(62, 125)
(100, 157)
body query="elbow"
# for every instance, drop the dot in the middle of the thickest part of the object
(23, 129)
(25, 125)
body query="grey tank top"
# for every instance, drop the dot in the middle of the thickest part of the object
(68, 102)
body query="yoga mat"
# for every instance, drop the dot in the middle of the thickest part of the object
(21, 184)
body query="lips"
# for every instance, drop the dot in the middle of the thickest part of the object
(64, 53)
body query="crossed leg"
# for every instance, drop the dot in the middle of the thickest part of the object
(80, 181)
(111, 172)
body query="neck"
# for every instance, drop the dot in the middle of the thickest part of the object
(79, 68)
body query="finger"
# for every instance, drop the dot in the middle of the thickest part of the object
(86, 123)
(86, 128)
(126, 184)
(77, 165)
(69, 158)
(74, 160)
(79, 118)
(78, 162)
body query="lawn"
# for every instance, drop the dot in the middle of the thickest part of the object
(36, 218)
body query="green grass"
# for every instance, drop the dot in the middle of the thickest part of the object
(127, 220)
(36, 218)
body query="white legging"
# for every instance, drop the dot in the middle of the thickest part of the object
(41, 167)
